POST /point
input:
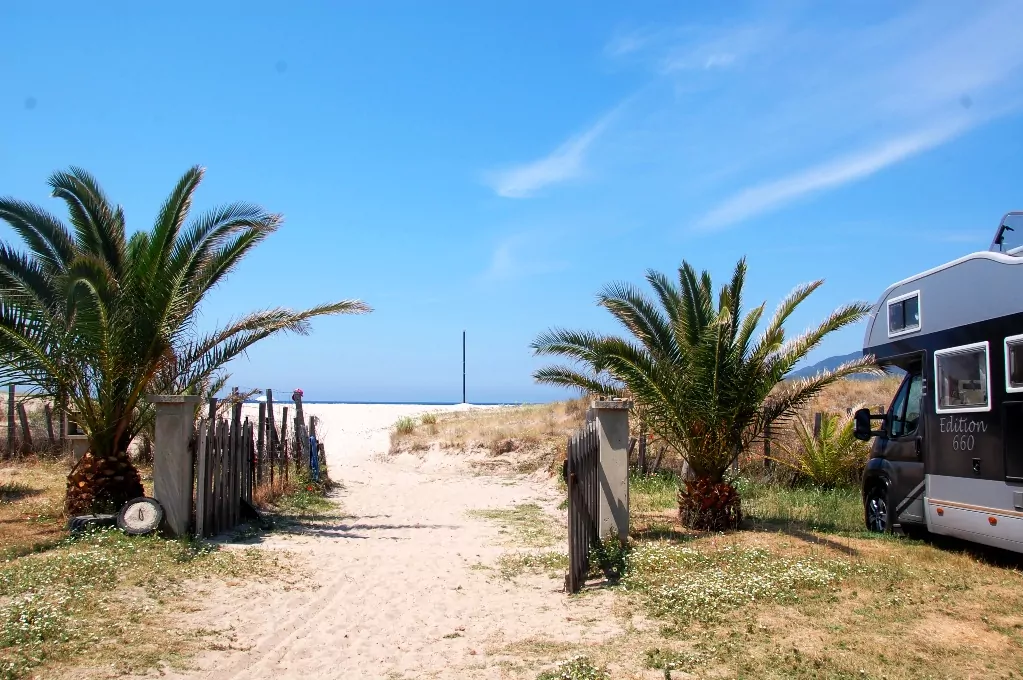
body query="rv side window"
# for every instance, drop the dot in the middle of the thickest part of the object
(1014, 363)
(904, 413)
(904, 314)
(962, 376)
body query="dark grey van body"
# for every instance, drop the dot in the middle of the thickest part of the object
(950, 456)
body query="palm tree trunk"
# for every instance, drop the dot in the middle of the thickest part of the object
(102, 483)
(708, 504)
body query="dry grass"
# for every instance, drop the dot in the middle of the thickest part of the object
(76, 607)
(777, 605)
(523, 438)
(801, 592)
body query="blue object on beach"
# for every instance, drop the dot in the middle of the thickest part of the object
(314, 459)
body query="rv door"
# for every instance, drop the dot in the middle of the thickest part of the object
(904, 451)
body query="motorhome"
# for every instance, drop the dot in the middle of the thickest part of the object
(948, 453)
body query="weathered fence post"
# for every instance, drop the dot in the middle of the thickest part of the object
(172, 460)
(26, 432)
(300, 434)
(259, 438)
(48, 412)
(270, 451)
(202, 477)
(10, 420)
(613, 431)
(642, 448)
(234, 503)
(284, 435)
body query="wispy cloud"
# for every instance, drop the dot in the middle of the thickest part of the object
(721, 50)
(773, 194)
(526, 253)
(565, 163)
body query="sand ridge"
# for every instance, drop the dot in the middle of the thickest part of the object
(398, 593)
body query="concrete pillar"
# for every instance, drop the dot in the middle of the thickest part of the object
(613, 476)
(79, 446)
(172, 461)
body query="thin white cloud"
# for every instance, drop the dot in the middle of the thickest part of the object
(720, 50)
(565, 163)
(522, 254)
(628, 43)
(774, 194)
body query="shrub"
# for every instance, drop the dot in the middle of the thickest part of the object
(405, 425)
(828, 459)
(610, 557)
(429, 419)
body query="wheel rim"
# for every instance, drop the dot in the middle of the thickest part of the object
(877, 512)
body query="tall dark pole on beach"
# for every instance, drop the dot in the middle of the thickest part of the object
(463, 367)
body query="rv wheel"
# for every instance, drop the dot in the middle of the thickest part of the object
(876, 508)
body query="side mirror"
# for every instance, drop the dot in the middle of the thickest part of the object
(861, 424)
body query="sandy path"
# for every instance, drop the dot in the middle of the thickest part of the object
(398, 597)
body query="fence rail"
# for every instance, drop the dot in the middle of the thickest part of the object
(581, 463)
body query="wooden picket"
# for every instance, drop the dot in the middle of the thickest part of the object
(581, 464)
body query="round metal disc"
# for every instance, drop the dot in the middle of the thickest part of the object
(140, 516)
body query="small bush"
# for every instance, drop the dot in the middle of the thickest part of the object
(576, 668)
(610, 557)
(428, 419)
(405, 425)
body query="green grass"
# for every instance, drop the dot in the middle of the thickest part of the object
(653, 493)
(524, 525)
(776, 507)
(553, 563)
(405, 425)
(428, 419)
(304, 501)
(765, 506)
(683, 584)
(84, 600)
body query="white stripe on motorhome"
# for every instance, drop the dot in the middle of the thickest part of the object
(967, 516)
(974, 526)
(975, 508)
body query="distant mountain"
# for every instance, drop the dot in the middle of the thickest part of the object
(834, 362)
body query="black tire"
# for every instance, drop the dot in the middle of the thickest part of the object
(875, 508)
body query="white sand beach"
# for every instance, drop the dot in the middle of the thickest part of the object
(400, 592)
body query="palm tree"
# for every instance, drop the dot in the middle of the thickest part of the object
(826, 458)
(706, 384)
(98, 318)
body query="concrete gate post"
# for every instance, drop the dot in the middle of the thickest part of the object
(613, 476)
(172, 461)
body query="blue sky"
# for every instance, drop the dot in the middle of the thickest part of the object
(484, 167)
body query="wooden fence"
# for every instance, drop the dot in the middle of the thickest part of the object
(29, 429)
(581, 464)
(225, 451)
(234, 456)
